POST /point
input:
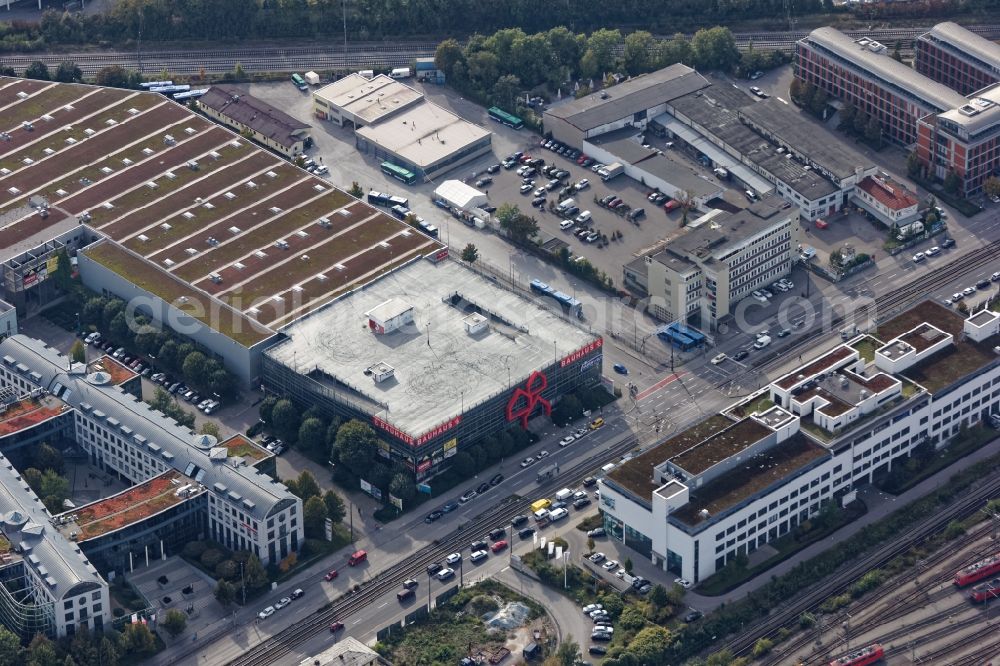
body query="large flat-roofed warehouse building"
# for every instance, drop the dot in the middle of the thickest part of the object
(221, 240)
(395, 123)
(435, 357)
(629, 104)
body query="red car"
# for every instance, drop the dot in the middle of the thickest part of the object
(336, 626)
(331, 574)
(498, 546)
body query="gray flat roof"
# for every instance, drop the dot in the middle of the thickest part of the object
(636, 94)
(680, 176)
(792, 128)
(623, 144)
(439, 368)
(967, 42)
(905, 79)
(424, 133)
(732, 230)
(714, 111)
(981, 111)
(368, 99)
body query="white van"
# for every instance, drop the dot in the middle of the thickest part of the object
(762, 341)
(564, 495)
(583, 218)
(558, 514)
(565, 204)
(367, 73)
(541, 515)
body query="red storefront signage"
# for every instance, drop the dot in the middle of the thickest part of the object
(441, 255)
(439, 430)
(424, 466)
(393, 430)
(522, 402)
(581, 352)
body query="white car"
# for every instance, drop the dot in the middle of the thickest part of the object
(565, 224)
(621, 573)
(282, 603)
(478, 556)
(540, 192)
(918, 257)
(969, 291)
(527, 461)
(683, 582)
(719, 358)
(566, 441)
(446, 573)
(590, 608)
(582, 184)
(597, 557)
(544, 454)
(933, 252)
(266, 613)
(610, 565)
(454, 558)
(525, 188)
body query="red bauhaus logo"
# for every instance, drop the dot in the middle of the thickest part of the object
(522, 402)
(393, 430)
(439, 430)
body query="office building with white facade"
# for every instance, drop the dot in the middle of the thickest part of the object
(738, 480)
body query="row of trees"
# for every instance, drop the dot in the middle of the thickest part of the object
(500, 67)
(135, 331)
(83, 649)
(44, 474)
(370, 19)
(317, 506)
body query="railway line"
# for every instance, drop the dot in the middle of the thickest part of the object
(268, 651)
(770, 625)
(366, 55)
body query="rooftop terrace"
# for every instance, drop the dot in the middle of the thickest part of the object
(943, 368)
(241, 447)
(721, 446)
(28, 413)
(637, 476)
(748, 478)
(119, 372)
(127, 507)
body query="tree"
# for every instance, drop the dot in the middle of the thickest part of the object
(355, 446)
(402, 487)
(10, 646)
(638, 50)
(314, 518)
(678, 49)
(113, 76)
(568, 653)
(762, 647)
(194, 367)
(896, 51)
(952, 183)
(520, 227)
(266, 407)
(650, 645)
(33, 477)
(54, 490)
(914, 166)
(254, 573)
(68, 72)
(227, 570)
(632, 619)
(41, 652)
(470, 253)
(860, 122)
(714, 48)
(627, 564)
(658, 596)
(505, 90)
(818, 103)
(210, 428)
(603, 43)
(46, 457)
(447, 55)
(307, 486)
(37, 70)
(211, 558)
(795, 89)
(687, 202)
(285, 419)
(312, 436)
(991, 186)
(612, 603)
(336, 510)
(174, 622)
(463, 464)
(136, 639)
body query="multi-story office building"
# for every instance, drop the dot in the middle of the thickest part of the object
(964, 140)
(958, 58)
(740, 479)
(861, 72)
(706, 271)
(241, 507)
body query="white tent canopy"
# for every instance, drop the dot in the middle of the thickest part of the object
(459, 195)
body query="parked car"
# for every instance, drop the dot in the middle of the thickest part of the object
(281, 603)
(596, 532)
(496, 480)
(331, 574)
(565, 441)
(336, 626)
(499, 545)
(445, 573)
(432, 516)
(527, 461)
(434, 567)
(517, 521)
(453, 558)
(467, 495)
(266, 613)
(683, 582)
(620, 369)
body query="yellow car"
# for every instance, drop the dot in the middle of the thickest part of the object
(596, 423)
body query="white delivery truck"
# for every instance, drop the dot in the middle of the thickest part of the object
(564, 495)
(612, 170)
(400, 73)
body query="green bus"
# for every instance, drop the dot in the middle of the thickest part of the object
(501, 116)
(399, 173)
(299, 82)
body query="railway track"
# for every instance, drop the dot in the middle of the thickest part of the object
(268, 651)
(885, 609)
(786, 614)
(360, 55)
